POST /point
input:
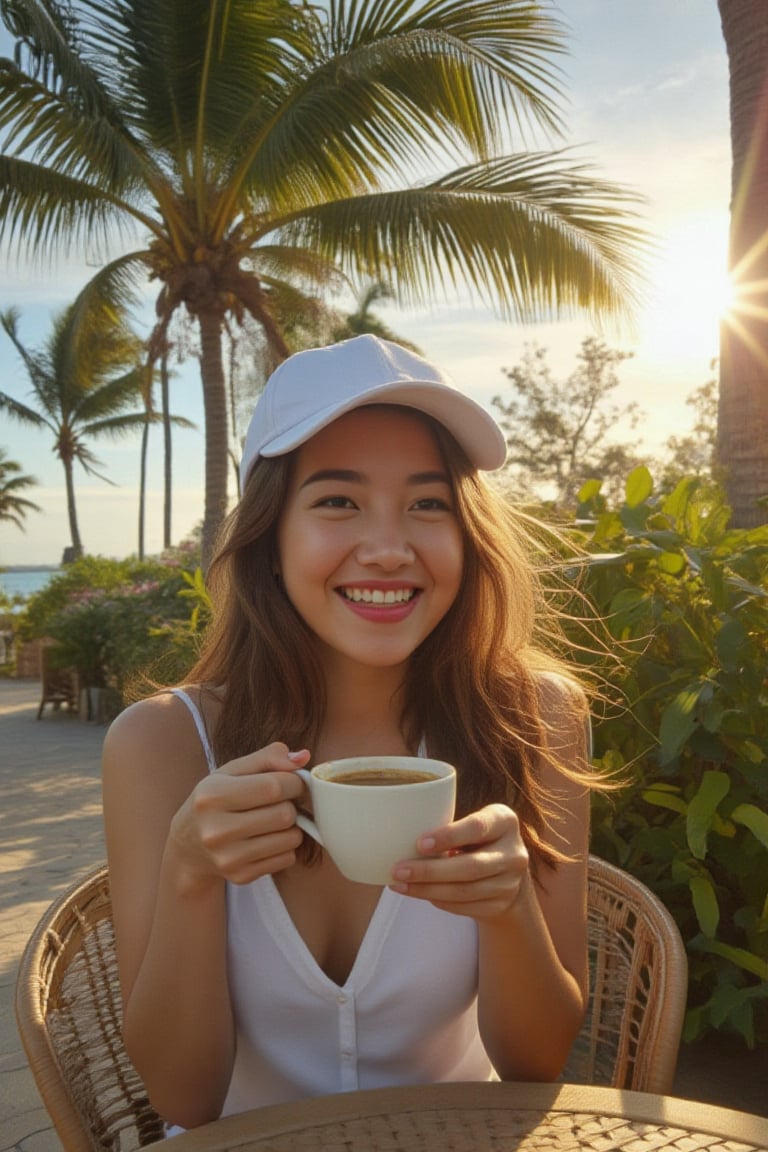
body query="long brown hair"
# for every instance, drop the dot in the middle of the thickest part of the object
(472, 688)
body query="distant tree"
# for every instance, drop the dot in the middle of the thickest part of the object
(559, 432)
(147, 392)
(85, 381)
(14, 507)
(364, 321)
(694, 454)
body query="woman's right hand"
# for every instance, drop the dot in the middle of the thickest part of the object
(239, 822)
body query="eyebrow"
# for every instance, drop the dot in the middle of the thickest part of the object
(350, 476)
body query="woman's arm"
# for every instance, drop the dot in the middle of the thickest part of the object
(175, 834)
(532, 934)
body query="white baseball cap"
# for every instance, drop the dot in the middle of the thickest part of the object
(313, 388)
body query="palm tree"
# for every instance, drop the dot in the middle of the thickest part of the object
(742, 433)
(14, 507)
(84, 380)
(364, 320)
(261, 146)
(146, 385)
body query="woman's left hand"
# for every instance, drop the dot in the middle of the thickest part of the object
(477, 866)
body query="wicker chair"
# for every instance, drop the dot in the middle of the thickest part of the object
(69, 1015)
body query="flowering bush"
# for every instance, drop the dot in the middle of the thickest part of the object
(116, 621)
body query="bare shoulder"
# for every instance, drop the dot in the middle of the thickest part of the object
(564, 771)
(565, 714)
(158, 732)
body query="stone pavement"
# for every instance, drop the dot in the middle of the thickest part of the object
(51, 834)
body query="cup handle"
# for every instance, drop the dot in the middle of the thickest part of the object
(305, 822)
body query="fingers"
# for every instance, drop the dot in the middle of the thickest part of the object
(474, 866)
(240, 821)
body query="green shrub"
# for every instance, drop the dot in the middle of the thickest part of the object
(116, 621)
(687, 600)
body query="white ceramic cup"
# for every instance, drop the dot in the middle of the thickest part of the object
(367, 828)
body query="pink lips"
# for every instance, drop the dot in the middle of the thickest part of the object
(381, 613)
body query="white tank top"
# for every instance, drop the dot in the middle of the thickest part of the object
(407, 1013)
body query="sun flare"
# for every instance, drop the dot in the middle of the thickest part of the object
(692, 291)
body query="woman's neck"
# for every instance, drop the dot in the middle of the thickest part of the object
(363, 713)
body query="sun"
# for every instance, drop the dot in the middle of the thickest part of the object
(691, 291)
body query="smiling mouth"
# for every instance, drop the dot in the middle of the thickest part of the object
(378, 595)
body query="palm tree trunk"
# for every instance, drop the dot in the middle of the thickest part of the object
(74, 530)
(167, 449)
(143, 487)
(216, 431)
(743, 408)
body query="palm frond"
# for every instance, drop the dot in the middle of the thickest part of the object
(531, 235)
(274, 262)
(53, 130)
(41, 209)
(385, 81)
(117, 426)
(115, 288)
(35, 363)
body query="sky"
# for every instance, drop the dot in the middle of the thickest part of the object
(645, 103)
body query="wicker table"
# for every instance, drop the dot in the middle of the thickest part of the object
(484, 1118)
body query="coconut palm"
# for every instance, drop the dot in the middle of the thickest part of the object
(364, 320)
(261, 149)
(14, 507)
(85, 380)
(742, 437)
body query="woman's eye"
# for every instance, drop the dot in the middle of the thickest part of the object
(432, 504)
(335, 502)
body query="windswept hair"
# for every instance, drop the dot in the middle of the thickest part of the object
(473, 688)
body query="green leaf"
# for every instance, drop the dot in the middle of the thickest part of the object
(730, 643)
(705, 904)
(639, 486)
(663, 799)
(673, 563)
(634, 518)
(701, 811)
(589, 490)
(753, 818)
(738, 956)
(678, 722)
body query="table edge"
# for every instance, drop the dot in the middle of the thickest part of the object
(670, 1111)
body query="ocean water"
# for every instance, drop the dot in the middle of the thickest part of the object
(25, 582)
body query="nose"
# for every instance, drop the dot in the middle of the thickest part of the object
(385, 545)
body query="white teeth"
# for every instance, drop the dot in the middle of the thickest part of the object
(376, 596)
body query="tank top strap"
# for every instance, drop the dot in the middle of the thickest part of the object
(199, 724)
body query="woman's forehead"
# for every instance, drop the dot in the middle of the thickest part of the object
(374, 431)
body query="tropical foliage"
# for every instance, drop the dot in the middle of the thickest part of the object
(112, 620)
(13, 506)
(84, 381)
(264, 151)
(686, 600)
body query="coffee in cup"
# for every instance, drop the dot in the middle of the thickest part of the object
(369, 811)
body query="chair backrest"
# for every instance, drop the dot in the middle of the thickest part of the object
(69, 1016)
(69, 1013)
(638, 987)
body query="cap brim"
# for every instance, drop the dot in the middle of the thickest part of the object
(474, 429)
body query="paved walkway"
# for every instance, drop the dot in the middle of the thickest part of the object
(50, 834)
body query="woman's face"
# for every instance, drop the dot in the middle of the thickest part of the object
(369, 544)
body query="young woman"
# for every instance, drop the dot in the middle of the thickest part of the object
(372, 596)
